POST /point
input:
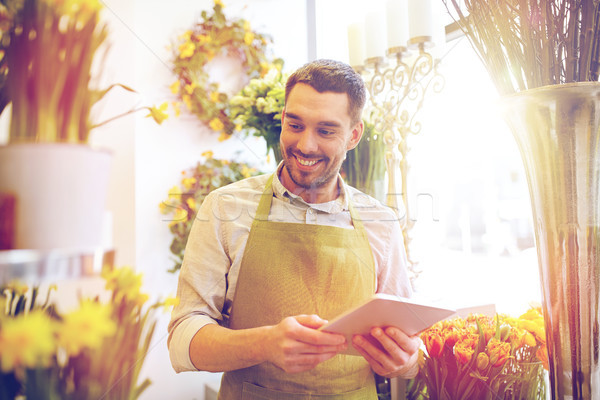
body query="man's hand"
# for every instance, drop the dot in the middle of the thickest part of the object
(295, 344)
(392, 353)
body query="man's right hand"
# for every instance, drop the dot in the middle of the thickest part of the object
(295, 344)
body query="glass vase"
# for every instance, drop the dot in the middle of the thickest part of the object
(557, 131)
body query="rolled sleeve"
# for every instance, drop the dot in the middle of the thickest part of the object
(180, 340)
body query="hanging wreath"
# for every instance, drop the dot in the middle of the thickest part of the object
(215, 35)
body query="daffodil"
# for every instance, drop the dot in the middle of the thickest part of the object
(175, 86)
(123, 282)
(189, 88)
(248, 38)
(186, 50)
(174, 192)
(216, 125)
(86, 327)
(191, 203)
(159, 114)
(208, 154)
(27, 341)
(188, 183)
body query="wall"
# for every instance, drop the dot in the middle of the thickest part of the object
(149, 158)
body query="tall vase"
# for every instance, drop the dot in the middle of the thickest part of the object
(557, 129)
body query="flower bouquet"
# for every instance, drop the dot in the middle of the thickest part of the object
(257, 108)
(481, 357)
(95, 351)
(185, 199)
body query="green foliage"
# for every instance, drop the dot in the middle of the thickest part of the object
(185, 199)
(365, 164)
(215, 35)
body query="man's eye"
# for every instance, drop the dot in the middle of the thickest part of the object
(325, 132)
(295, 126)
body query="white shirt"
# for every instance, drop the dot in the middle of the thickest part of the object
(215, 247)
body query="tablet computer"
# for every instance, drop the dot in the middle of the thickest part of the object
(385, 310)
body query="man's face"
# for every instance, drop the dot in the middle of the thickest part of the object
(316, 133)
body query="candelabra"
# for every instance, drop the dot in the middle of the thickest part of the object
(398, 81)
(397, 92)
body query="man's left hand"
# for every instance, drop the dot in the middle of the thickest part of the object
(389, 351)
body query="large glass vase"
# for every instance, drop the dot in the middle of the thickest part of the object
(557, 132)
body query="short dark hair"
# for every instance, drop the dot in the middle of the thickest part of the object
(332, 76)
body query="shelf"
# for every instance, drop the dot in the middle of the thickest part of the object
(37, 266)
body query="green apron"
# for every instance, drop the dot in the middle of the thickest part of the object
(290, 269)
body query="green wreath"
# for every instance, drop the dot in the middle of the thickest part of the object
(215, 35)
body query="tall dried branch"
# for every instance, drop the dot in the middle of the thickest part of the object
(531, 43)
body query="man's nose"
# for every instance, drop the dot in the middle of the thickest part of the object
(308, 142)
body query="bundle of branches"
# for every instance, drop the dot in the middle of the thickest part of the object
(531, 43)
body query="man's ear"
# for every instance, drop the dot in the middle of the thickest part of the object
(357, 133)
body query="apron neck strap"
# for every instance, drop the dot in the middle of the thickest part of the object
(264, 205)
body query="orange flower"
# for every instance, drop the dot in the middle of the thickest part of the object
(463, 352)
(498, 352)
(542, 354)
(434, 342)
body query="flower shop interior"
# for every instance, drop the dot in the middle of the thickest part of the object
(459, 184)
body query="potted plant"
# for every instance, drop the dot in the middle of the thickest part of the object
(48, 52)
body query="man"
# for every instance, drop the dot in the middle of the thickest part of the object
(271, 258)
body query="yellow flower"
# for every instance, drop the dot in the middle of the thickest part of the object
(188, 183)
(174, 192)
(238, 128)
(186, 50)
(86, 327)
(189, 88)
(175, 86)
(219, 3)
(191, 203)
(163, 207)
(247, 172)
(187, 100)
(214, 97)
(185, 36)
(216, 125)
(176, 108)
(159, 114)
(27, 341)
(208, 154)
(223, 137)
(123, 282)
(170, 302)
(248, 38)
(180, 215)
(202, 39)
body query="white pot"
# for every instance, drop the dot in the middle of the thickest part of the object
(60, 193)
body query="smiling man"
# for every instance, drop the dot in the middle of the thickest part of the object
(271, 258)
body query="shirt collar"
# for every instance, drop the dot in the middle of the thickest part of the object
(335, 206)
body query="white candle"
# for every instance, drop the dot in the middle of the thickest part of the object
(421, 18)
(356, 44)
(375, 35)
(397, 23)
